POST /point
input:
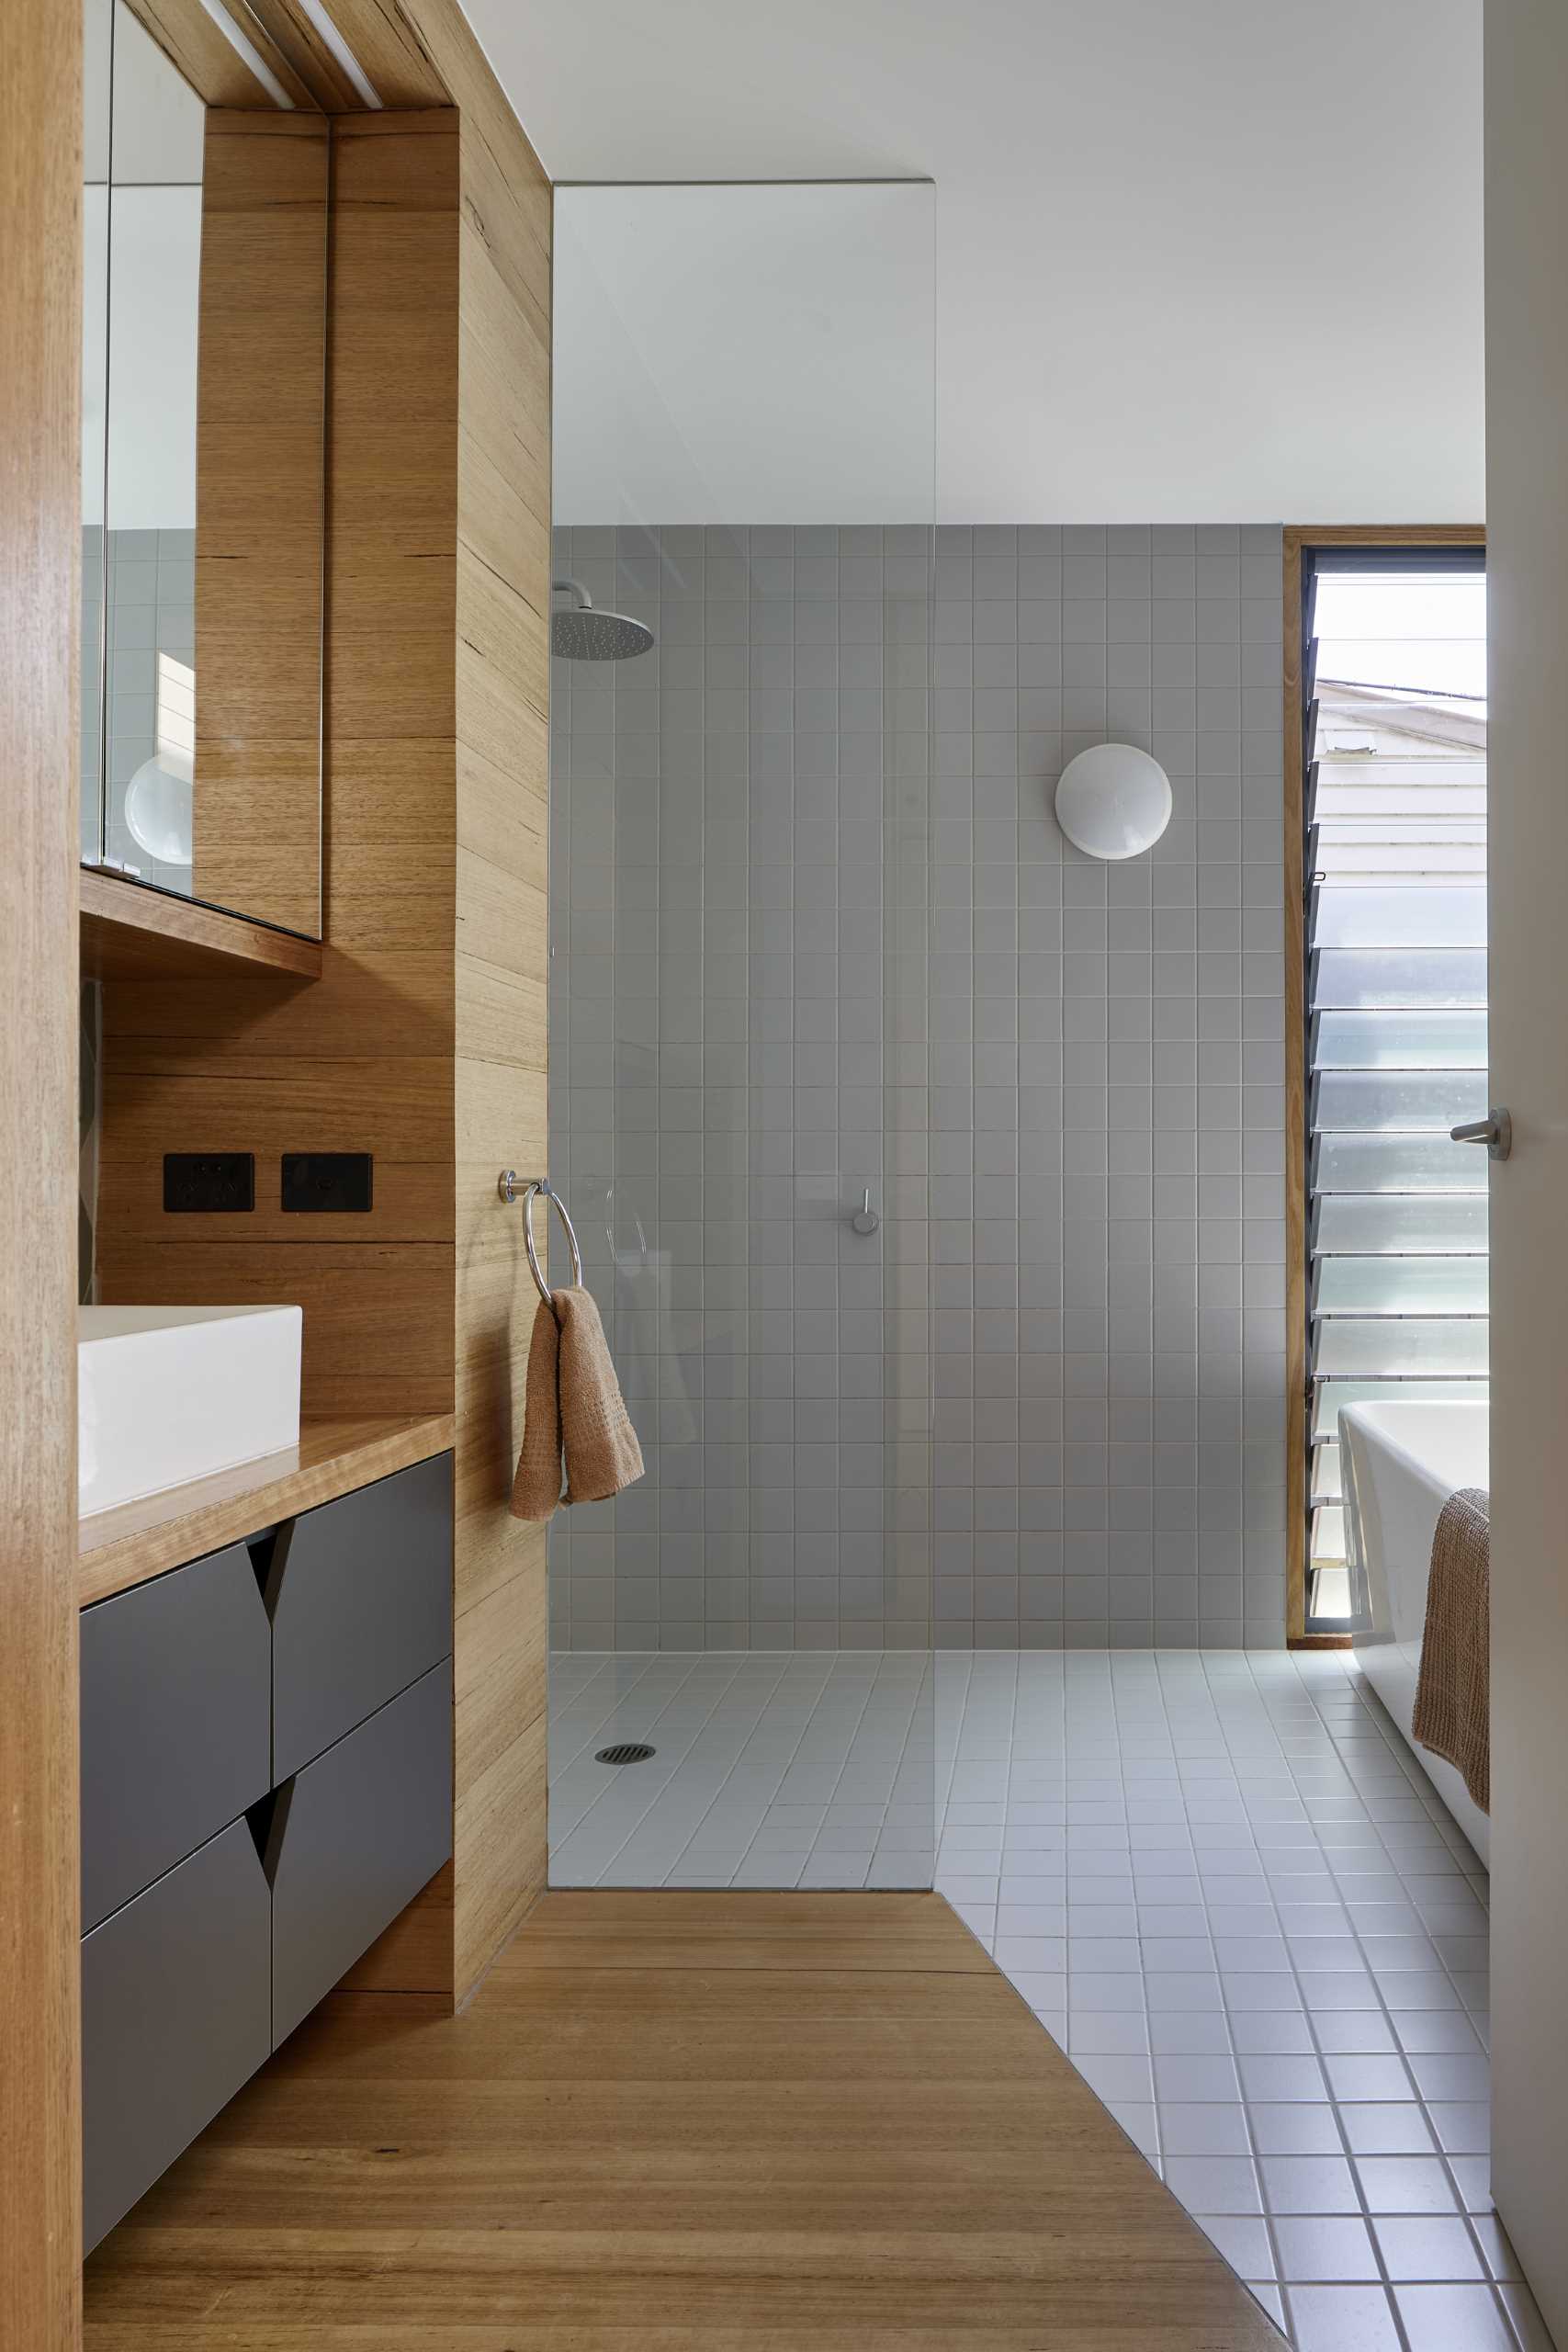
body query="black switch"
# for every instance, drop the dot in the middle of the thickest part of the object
(209, 1183)
(327, 1183)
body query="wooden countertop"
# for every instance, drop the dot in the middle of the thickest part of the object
(125, 1546)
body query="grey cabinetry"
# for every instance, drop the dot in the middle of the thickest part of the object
(312, 1718)
(175, 2016)
(357, 1836)
(176, 1722)
(361, 1599)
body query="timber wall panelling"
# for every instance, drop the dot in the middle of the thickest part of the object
(500, 1649)
(261, 393)
(423, 1041)
(40, 327)
(362, 1059)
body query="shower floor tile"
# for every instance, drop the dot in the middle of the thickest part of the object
(769, 1769)
(1220, 1880)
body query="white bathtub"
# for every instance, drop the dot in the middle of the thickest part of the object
(1399, 1465)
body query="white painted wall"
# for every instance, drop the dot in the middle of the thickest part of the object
(156, 264)
(145, 128)
(160, 122)
(744, 355)
(95, 345)
(1526, 462)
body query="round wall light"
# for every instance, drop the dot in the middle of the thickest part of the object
(158, 806)
(1113, 801)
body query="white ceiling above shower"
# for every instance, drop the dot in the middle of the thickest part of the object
(1212, 259)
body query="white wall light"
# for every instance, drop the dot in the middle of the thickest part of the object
(1113, 801)
(158, 806)
(158, 800)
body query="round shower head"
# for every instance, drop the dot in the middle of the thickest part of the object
(582, 633)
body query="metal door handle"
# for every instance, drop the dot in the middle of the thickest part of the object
(1495, 1131)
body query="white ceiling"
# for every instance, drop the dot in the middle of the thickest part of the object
(1208, 260)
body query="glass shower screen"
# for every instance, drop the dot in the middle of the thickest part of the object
(740, 716)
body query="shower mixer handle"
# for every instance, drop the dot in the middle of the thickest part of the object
(865, 1219)
(1495, 1131)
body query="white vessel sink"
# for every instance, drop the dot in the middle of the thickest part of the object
(167, 1394)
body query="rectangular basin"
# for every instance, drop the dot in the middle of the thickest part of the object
(168, 1394)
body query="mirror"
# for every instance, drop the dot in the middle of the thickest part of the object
(96, 51)
(204, 352)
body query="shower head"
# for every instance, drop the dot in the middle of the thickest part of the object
(583, 633)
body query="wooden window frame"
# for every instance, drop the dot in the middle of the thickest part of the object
(1306, 539)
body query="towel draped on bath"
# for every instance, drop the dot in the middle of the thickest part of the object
(1453, 1706)
(574, 1413)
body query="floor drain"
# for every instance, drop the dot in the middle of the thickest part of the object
(626, 1751)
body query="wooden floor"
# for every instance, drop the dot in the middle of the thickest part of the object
(725, 2121)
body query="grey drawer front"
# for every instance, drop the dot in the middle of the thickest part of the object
(361, 1602)
(359, 1833)
(176, 1732)
(175, 2019)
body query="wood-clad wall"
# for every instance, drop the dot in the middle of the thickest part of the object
(424, 1042)
(500, 974)
(260, 432)
(40, 316)
(361, 1060)
(503, 505)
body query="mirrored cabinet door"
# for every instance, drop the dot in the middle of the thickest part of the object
(203, 544)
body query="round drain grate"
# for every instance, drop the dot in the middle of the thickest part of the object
(626, 1751)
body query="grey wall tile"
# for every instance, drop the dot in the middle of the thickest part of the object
(1063, 1082)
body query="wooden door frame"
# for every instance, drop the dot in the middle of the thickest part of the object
(40, 371)
(1307, 538)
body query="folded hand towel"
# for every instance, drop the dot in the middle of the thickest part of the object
(574, 1408)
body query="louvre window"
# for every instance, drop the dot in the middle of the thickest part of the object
(1395, 810)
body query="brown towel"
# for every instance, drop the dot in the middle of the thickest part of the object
(573, 1407)
(1452, 1692)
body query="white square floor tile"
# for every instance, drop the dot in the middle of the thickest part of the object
(1201, 2131)
(1454, 2319)
(1342, 2319)
(1302, 2129)
(1309, 2184)
(1324, 2247)
(1427, 2246)
(1214, 2184)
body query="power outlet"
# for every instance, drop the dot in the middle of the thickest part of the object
(209, 1183)
(327, 1183)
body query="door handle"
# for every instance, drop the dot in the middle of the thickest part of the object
(1495, 1131)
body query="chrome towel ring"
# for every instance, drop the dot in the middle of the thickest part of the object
(540, 1188)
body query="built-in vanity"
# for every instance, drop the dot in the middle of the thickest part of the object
(266, 1783)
